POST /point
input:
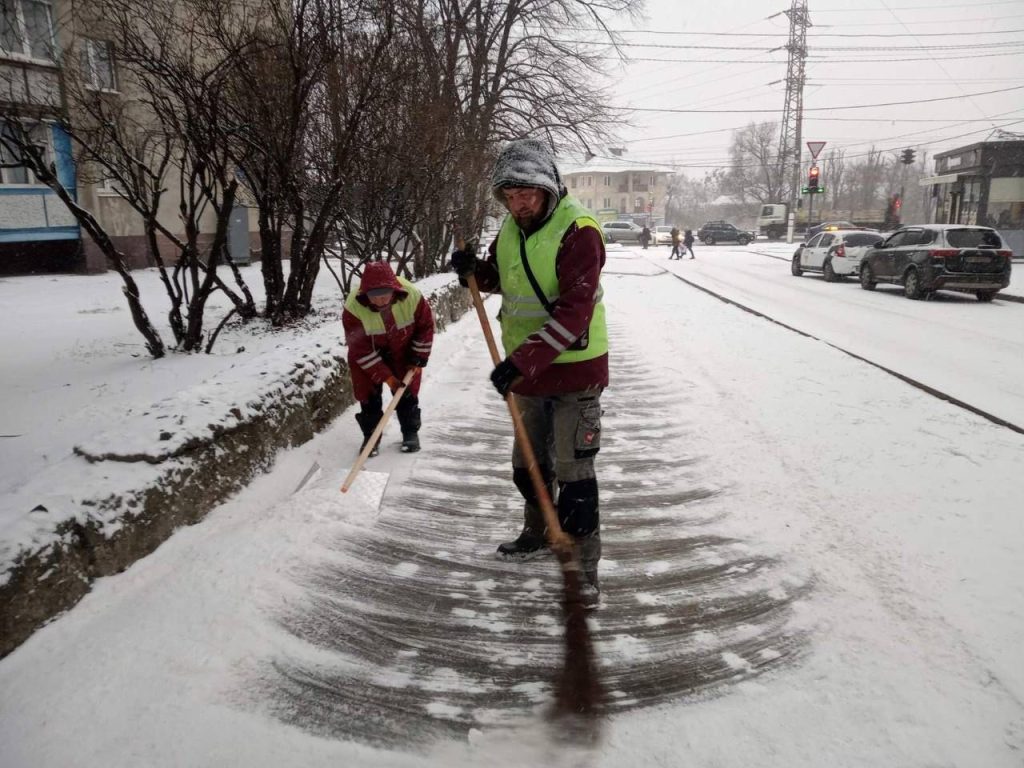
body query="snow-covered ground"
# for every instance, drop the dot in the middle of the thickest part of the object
(951, 342)
(819, 562)
(76, 372)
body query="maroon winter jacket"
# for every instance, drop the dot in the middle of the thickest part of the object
(374, 358)
(578, 266)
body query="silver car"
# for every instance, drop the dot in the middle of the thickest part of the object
(835, 254)
(621, 232)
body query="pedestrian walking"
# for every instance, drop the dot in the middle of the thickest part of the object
(645, 236)
(675, 244)
(688, 243)
(389, 329)
(546, 262)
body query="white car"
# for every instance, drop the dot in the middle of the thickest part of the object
(835, 254)
(663, 235)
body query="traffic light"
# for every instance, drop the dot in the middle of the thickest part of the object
(812, 178)
(907, 156)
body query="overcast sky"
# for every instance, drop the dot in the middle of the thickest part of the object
(860, 52)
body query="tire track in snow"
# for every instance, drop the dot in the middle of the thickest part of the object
(422, 634)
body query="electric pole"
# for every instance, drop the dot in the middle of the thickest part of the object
(793, 112)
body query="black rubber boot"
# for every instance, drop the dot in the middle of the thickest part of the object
(528, 546)
(367, 420)
(588, 553)
(410, 420)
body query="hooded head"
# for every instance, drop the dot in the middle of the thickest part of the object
(528, 163)
(378, 279)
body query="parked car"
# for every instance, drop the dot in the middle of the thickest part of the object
(835, 254)
(621, 232)
(722, 232)
(829, 226)
(663, 235)
(951, 257)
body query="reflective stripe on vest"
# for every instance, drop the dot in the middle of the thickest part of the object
(403, 311)
(522, 312)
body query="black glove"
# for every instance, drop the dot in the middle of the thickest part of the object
(464, 262)
(418, 362)
(504, 376)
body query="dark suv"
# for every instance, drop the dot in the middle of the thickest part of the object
(951, 257)
(722, 232)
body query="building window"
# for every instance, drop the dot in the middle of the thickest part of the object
(607, 183)
(590, 180)
(622, 205)
(607, 201)
(11, 169)
(26, 28)
(572, 182)
(98, 65)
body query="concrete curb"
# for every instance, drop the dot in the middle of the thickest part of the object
(53, 577)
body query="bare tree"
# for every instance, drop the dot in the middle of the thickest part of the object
(509, 69)
(755, 172)
(17, 141)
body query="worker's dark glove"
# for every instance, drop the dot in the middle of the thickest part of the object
(464, 262)
(417, 361)
(504, 375)
(393, 384)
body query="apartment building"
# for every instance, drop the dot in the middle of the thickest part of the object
(44, 43)
(616, 188)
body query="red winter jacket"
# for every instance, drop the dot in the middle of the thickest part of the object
(374, 357)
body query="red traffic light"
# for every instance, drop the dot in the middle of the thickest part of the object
(812, 177)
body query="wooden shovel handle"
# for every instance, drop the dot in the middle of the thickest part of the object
(406, 380)
(559, 540)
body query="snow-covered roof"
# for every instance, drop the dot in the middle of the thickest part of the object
(604, 164)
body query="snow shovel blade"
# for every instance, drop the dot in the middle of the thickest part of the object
(369, 491)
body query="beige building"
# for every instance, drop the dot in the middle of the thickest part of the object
(615, 188)
(49, 48)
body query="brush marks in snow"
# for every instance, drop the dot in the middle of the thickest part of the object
(452, 639)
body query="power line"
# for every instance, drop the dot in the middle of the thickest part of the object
(819, 59)
(830, 109)
(919, 34)
(903, 80)
(814, 33)
(972, 46)
(939, 64)
(922, 21)
(844, 48)
(727, 162)
(920, 7)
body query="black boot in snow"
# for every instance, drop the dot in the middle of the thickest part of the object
(590, 590)
(528, 546)
(410, 420)
(367, 423)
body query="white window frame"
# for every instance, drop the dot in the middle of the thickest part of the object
(45, 141)
(90, 71)
(20, 31)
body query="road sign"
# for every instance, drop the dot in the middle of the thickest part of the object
(815, 147)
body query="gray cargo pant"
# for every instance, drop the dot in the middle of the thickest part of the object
(565, 432)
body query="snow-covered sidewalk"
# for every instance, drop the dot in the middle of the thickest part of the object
(881, 543)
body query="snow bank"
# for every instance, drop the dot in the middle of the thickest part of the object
(128, 487)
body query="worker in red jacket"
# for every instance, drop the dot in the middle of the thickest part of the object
(389, 329)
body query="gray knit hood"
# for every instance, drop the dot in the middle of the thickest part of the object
(527, 163)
